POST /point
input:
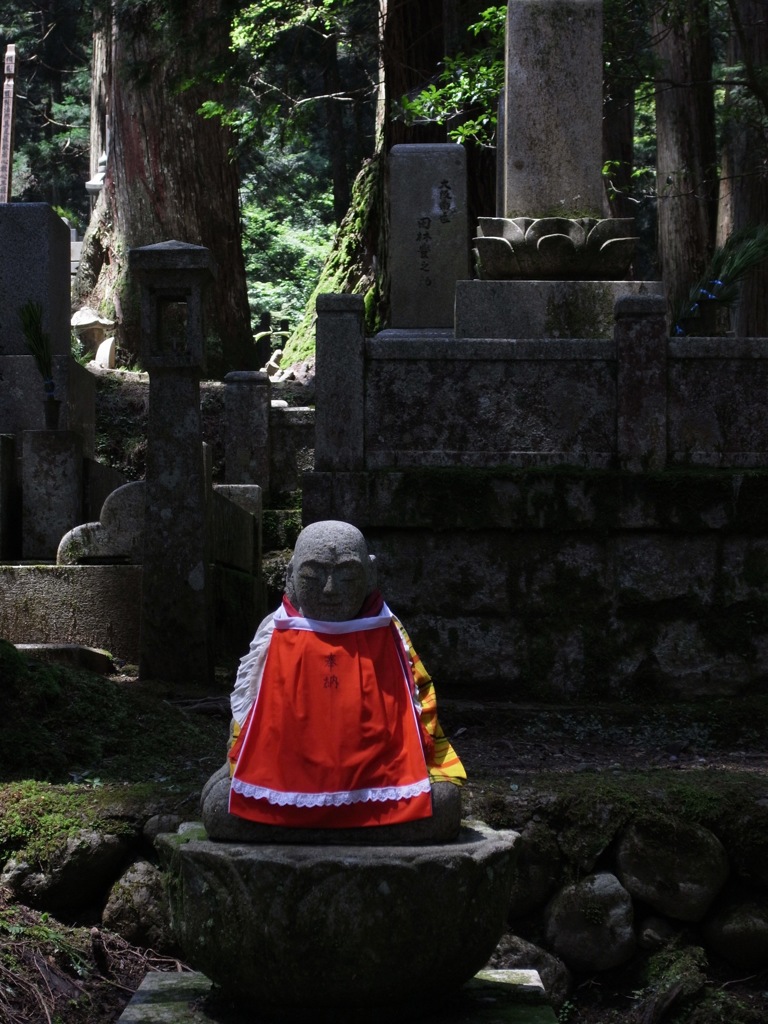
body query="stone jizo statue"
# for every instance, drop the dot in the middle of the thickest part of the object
(334, 716)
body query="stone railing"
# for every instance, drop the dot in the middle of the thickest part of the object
(639, 400)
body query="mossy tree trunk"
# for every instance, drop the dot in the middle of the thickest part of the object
(414, 36)
(169, 176)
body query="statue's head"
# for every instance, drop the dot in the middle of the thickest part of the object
(331, 572)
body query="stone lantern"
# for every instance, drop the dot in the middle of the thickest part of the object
(176, 641)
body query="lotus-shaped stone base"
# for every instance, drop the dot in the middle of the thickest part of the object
(559, 248)
(339, 933)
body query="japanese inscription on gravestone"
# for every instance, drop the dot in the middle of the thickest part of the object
(429, 240)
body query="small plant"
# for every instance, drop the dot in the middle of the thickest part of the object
(38, 342)
(721, 284)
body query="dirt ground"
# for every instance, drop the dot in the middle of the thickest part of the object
(50, 974)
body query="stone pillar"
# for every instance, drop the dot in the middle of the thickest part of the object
(7, 496)
(553, 101)
(429, 240)
(246, 428)
(176, 641)
(51, 490)
(641, 384)
(7, 125)
(339, 383)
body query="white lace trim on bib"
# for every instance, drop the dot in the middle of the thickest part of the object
(340, 798)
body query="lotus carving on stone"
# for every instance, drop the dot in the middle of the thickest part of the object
(544, 248)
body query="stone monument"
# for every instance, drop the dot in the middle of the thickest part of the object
(310, 901)
(429, 233)
(175, 641)
(549, 262)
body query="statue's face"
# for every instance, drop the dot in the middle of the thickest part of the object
(331, 572)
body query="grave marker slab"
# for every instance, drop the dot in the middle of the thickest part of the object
(428, 225)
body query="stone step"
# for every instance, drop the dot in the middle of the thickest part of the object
(74, 655)
(492, 997)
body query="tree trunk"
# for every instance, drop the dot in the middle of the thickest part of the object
(685, 163)
(618, 144)
(744, 185)
(411, 47)
(169, 176)
(336, 131)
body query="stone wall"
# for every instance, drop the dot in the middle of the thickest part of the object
(570, 583)
(607, 874)
(556, 518)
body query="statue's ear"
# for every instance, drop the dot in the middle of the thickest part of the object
(373, 573)
(290, 590)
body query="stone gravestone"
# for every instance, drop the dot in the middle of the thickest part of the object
(175, 616)
(429, 244)
(550, 265)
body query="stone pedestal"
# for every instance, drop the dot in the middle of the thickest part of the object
(492, 997)
(542, 309)
(339, 382)
(313, 930)
(51, 490)
(641, 384)
(7, 495)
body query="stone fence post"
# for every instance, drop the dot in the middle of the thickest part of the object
(641, 384)
(339, 384)
(246, 428)
(176, 642)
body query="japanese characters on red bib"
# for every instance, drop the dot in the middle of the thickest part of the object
(333, 738)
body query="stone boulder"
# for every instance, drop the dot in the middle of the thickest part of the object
(676, 867)
(78, 878)
(538, 869)
(589, 924)
(137, 908)
(738, 931)
(514, 952)
(746, 836)
(321, 928)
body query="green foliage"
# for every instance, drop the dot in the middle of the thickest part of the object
(467, 91)
(52, 102)
(36, 818)
(345, 270)
(287, 216)
(721, 282)
(284, 52)
(38, 341)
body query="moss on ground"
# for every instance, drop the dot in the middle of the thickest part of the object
(59, 725)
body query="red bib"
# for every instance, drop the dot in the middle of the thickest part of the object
(332, 739)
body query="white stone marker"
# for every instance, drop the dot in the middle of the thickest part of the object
(553, 109)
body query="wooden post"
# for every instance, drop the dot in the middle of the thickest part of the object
(6, 136)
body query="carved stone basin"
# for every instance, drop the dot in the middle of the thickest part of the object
(295, 929)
